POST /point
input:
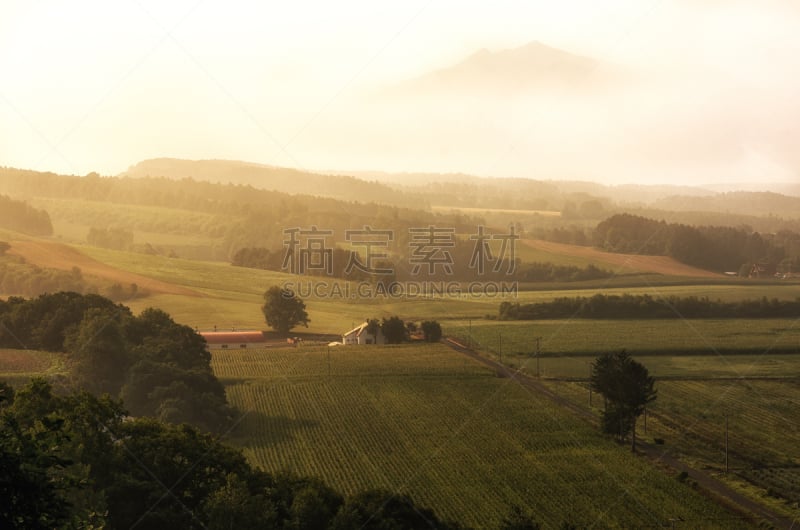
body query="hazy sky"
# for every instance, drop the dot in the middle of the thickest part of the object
(97, 86)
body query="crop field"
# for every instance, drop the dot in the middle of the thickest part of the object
(424, 420)
(18, 366)
(579, 337)
(763, 418)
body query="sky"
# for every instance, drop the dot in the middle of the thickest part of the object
(100, 85)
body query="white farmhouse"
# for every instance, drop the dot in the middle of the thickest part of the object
(360, 335)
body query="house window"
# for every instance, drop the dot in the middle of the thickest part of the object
(224, 346)
(243, 345)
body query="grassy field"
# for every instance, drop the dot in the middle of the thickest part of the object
(578, 337)
(427, 421)
(763, 418)
(231, 296)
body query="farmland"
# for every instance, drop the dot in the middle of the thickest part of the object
(386, 417)
(689, 418)
(426, 421)
(578, 337)
(18, 366)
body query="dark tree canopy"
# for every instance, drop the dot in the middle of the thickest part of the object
(394, 330)
(161, 368)
(627, 387)
(372, 329)
(283, 310)
(432, 331)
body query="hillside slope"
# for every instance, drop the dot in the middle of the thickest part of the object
(58, 256)
(621, 263)
(286, 180)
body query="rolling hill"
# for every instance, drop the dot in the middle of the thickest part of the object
(282, 179)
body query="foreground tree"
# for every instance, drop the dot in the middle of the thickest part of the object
(98, 352)
(627, 388)
(283, 310)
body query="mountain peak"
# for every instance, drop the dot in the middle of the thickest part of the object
(526, 68)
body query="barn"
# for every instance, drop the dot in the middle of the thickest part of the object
(234, 340)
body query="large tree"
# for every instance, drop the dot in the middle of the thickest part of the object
(283, 310)
(627, 388)
(432, 331)
(394, 330)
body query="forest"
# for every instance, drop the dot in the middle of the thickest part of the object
(22, 217)
(160, 368)
(461, 264)
(710, 247)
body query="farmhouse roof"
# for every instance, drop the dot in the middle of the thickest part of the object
(358, 330)
(230, 337)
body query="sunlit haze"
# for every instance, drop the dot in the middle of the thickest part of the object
(680, 92)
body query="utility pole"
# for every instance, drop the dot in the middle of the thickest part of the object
(538, 352)
(500, 346)
(726, 442)
(590, 385)
(469, 335)
(329, 360)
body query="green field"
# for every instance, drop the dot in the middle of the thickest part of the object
(426, 421)
(763, 418)
(578, 337)
(230, 297)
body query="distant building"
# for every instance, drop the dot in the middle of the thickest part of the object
(359, 335)
(762, 270)
(234, 340)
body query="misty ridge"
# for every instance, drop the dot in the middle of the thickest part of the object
(539, 112)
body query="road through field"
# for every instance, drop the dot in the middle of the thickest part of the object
(625, 262)
(721, 491)
(53, 255)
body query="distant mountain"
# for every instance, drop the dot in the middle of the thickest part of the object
(528, 68)
(274, 178)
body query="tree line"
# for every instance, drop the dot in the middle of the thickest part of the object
(400, 263)
(710, 247)
(241, 215)
(22, 217)
(602, 306)
(160, 368)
